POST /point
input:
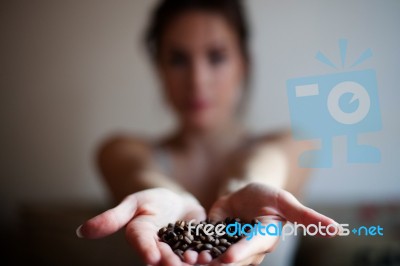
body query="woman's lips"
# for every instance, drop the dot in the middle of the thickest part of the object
(198, 105)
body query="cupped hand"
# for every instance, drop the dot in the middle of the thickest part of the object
(144, 213)
(268, 205)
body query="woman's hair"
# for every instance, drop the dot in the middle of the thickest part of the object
(167, 10)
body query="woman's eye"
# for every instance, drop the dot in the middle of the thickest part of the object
(216, 57)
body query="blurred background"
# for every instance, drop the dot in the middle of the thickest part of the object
(74, 72)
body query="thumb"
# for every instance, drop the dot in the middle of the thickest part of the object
(293, 211)
(218, 210)
(109, 221)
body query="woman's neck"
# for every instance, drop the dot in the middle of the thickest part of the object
(223, 138)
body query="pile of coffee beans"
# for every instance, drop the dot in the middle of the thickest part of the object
(178, 237)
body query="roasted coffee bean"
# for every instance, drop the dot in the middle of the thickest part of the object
(196, 242)
(215, 252)
(164, 238)
(179, 253)
(198, 247)
(187, 240)
(180, 223)
(177, 245)
(223, 241)
(188, 235)
(180, 228)
(221, 248)
(162, 231)
(207, 246)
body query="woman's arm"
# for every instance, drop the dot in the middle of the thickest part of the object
(273, 161)
(126, 165)
(148, 201)
(268, 173)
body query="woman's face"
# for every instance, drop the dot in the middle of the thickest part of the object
(202, 68)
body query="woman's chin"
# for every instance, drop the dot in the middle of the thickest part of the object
(201, 123)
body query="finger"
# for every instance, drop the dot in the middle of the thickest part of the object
(254, 260)
(250, 246)
(294, 211)
(109, 221)
(168, 257)
(142, 237)
(190, 256)
(217, 211)
(204, 257)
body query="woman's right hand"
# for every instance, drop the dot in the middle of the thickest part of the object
(144, 213)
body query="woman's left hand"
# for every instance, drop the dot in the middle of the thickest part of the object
(268, 205)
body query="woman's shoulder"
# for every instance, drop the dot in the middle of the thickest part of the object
(280, 138)
(276, 136)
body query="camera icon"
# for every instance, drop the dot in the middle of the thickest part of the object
(326, 106)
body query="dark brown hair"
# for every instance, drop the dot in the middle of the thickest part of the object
(167, 10)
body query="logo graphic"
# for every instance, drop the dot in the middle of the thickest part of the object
(326, 106)
(278, 229)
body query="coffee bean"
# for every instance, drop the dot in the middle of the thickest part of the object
(180, 228)
(196, 242)
(179, 253)
(223, 241)
(162, 231)
(187, 240)
(199, 247)
(184, 246)
(188, 235)
(215, 252)
(221, 248)
(177, 245)
(164, 238)
(180, 223)
(207, 246)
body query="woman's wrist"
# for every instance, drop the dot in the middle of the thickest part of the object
(232, 185)
(153, 179)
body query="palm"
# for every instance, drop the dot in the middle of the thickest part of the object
(268, 205)
(253, 201)
(143, 213)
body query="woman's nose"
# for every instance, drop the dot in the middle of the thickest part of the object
(199, 77)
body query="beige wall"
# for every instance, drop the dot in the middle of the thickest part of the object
(73, 72)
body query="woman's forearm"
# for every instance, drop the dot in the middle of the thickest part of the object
(272, 163)
(152, 179)
(127, 167)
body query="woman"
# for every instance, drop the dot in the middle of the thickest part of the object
(210, 167)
